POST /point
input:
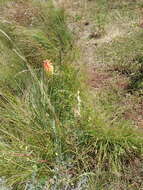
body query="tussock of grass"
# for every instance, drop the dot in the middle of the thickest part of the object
(53, 133)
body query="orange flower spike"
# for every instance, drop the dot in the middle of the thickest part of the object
(48, 67)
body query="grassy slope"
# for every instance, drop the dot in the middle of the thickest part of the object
(44, 140)
(115, 37)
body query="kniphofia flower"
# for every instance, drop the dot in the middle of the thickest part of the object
(48, 66)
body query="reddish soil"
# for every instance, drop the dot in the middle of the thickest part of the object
(98, 79)
(134, 111)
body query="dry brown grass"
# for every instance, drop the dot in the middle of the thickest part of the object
(21, 12)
